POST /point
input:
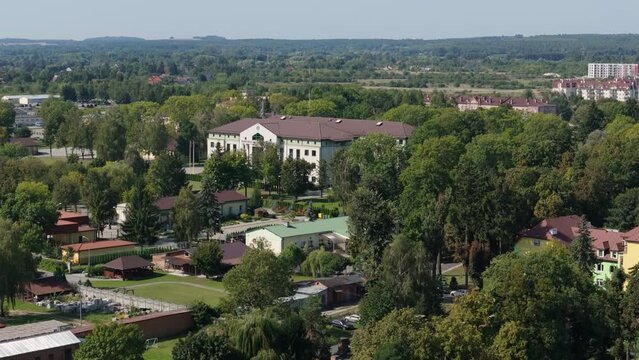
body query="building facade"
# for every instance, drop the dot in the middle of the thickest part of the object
(332, 234)
(591, 89)
(310, 138)
(531, 106)
(604, 71)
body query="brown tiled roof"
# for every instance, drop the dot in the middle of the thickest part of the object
(233, 252)
(319, 128)
(222, 197)
(48, 286)
(607, 240)
(26, 142)
(73, 216)
(106, 244)
(127, 263)
(564, 226)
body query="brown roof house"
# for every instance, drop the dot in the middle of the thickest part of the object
(46, 287)
(28, 143)
(334, 291)
(180, 260)
(71, 228)
(128, 267)
(302, 137)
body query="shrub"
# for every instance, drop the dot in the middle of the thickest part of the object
(203, 314)
(51, 265)
(323, 263)
(453, 285)
(95, 270)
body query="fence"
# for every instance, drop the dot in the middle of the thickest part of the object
(128, 300)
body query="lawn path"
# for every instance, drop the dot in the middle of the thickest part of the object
(176, 283)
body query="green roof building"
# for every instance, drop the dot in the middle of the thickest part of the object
(330, 233)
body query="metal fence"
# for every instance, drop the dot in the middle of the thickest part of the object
(126, 299)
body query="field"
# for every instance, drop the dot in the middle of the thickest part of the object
(183, 290)
(161, 351)
(25, 313)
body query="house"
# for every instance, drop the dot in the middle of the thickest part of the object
(28, 143)
(38, 341)
(331, 233)
(180, 260)
(630, 257)
(154, 80)
(608, 244)
(301, 137)
(71, 228)
(620, 89)
(128, 267)
(333, 292)
(533, 106)
(231, 203)
(46, 287)
(82, 252)
(27, 99)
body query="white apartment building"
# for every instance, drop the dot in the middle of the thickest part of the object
(590, 89)
(301, 137)
(605, 71)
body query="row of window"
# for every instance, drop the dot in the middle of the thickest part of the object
(298, 152)
(600, 267)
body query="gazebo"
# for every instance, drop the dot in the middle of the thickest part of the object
(127, 267)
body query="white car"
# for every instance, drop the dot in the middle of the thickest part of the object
(353, 318)
(460, 292)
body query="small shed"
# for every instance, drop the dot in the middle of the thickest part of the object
(128, 267)
(46, 287)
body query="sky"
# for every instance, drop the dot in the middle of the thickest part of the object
(320, 19)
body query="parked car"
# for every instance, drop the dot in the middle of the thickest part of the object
(353, 318)
(460, 292)
(342, 324)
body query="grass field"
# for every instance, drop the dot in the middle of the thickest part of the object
(25, 313)
(162, 350)
(183, 290)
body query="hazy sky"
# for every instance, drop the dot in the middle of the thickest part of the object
(302, 19)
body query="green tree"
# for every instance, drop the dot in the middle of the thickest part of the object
(228, 170)
(581, 248)
(110, 138)
(99, 197)
(624, 212)
(67, 190)
(31, 203)
(142, 223)
(7, 114)
(258, 281)
(323, 263)
(203, 346)
(255, 201)
(270, 166)
(323, 177)
(156, 136)
(207, 258)
(187, 222)
(371, 225)
(292, 256)
(112, 342)
(587, 118)
(166, 176)
(203, 314)
(53, 111)
(208, 208)
(410, 114)
(17, 266)
(294, 176)
(319, 107)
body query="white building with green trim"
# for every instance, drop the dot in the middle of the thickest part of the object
(332, 234)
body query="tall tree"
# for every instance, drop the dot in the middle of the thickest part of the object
(17, 265)
(7, 114)
(581, 249)
(166, 175)
(323, 177)
(203, 346)
(67, 190)
(99, 197)
(294, 176)
(229, 170)
(31, 203)
(110, 138)
(371, 225)
(209, 209)
(112, 341)
(258, 281)
(207, 258)
(53, 111)
(142, 223)
(270, 166)
(587, 118)
(187, 222)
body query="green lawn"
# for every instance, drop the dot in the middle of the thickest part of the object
(26, 312)
(162, 350)
(170, 288)
(459, 273)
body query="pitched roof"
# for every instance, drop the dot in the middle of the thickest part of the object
(340, 280)
(106, 244)
(233, 253)
(337, 225)
(319, 128)
(48, 285)
(632, 235)
(26, 142)
(560, 228)
(607, 240)
(38, 343)
(28, 330)
(222, 197)
(127, 263)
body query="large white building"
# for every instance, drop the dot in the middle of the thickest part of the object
(301, 137)
(591, 89)
(27, 99)
(604, 71)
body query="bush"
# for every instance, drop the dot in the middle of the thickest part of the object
(51, 265)
(95, 270)
(323, 263)
(203, 314)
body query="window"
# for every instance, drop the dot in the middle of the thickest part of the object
(600, 282)
(234, 147)
(228, 147)
(614, 254)
(599, 267)
(297, 153)
(305, 152)
(212, 144)
(290, 152)
(536, 242)
(258, 137)
(600, 253)
(240, 208)
(612, 268)
(314, 153)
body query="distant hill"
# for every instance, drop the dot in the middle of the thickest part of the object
(114, 39)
